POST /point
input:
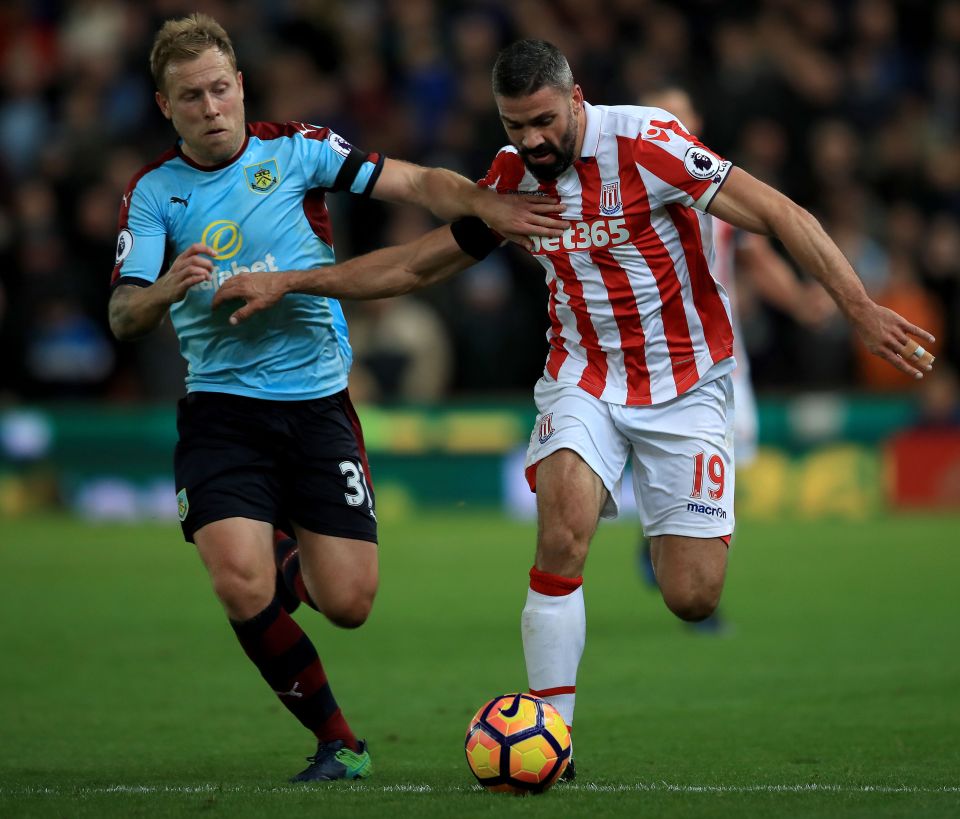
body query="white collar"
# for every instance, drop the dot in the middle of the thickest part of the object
(591, 133)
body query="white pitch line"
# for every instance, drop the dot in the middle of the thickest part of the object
(801, 788)
(586, 787)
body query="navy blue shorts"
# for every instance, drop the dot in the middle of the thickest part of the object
(282, 462)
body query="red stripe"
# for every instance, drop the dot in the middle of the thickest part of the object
(658, 160)
(124, 216)
(530, 473)
(507, 170)
(312, 679)
(636, 209)
(674, 126)
(552, 692)
(300, 590)
(315, 209)
(619, 291)
(513, 171)
(274, 130)
(281, 635)
(706, 295)
(358, 434)
(558, 353)
(553, 585)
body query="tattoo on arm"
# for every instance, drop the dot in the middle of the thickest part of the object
(129, 320)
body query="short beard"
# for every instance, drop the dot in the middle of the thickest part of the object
(550, 172)
(563, 153)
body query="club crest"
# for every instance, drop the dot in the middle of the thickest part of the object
(546, 430)
(183, 505)
(262, 177)
(610, 198)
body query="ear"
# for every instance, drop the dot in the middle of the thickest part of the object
(577, 98)
(240, 82)
(164, 104)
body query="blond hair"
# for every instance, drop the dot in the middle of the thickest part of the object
(186, 39)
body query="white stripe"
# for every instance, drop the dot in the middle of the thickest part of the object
(813, 787)
(416, 787)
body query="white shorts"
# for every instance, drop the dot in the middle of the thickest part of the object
(682, 452)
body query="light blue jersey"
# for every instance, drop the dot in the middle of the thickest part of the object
(262, 210)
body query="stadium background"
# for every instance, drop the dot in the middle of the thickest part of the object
(849, 107)
(121, 690)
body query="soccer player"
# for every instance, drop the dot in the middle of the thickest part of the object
(267, 433)
(738, 253)
(640, 340)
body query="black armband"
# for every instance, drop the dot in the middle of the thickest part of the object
(474, 237)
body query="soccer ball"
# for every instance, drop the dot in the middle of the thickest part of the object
(517, 743)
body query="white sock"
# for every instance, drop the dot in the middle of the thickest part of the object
(554, 630)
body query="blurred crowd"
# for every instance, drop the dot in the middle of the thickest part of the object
(851, 107)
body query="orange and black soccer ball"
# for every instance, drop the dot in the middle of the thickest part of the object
(517, 743)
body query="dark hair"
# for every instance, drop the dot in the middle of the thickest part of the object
(526, 66)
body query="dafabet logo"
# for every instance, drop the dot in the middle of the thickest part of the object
(224, 237)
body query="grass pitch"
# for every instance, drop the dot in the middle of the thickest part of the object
(124, 693)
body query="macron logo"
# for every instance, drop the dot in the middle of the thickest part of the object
(703, 509)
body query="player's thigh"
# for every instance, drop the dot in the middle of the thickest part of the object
(225, 461)
(325, 476)
(238, 555)
(341, 574)
(690, 572)
(570, 496)
(572, 421)
(683, 462)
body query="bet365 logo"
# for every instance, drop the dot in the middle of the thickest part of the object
(585, 236)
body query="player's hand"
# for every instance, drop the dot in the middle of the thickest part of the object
(888, 335)
(189, 268)
(518, 217)
(258, 290)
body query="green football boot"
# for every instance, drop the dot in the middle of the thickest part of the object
(333, 760)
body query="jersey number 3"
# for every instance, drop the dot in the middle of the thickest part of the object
(358, 491)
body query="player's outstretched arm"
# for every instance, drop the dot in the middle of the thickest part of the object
(449, 196)
(776, 283)
(750, 204)
(390, 271)
(135, 311)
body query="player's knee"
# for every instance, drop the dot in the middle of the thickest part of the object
(562, 547)
(351, 610)
(692, 604)
(241, 591)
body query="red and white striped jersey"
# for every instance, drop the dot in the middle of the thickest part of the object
(636, 315)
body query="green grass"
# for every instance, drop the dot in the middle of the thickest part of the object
(124, 693)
